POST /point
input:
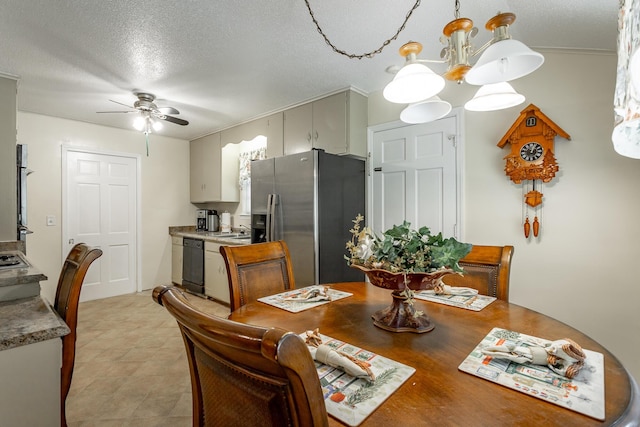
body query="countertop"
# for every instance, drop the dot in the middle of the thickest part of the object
(233, 238)
(18, 276)
(27, 321)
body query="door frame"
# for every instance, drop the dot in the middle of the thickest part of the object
(458, 114)
(65, 237)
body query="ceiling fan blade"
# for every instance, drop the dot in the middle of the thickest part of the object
(120, 103)
(168, 110)
(132, 111)
(176, 120)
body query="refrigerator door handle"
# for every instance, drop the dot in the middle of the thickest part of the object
(268, 219)
(271, 217)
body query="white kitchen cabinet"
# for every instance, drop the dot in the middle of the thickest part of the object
(336, 124)
(216, 283)
(176, 260)
(213, 171)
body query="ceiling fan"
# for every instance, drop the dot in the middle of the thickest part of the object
(149, 111)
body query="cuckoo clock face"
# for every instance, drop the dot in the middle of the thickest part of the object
(531, 151)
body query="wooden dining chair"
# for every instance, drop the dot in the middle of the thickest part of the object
(243, 374)
(256, 271)
(70, 282)
(487, 269)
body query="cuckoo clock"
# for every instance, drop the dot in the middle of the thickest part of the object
(531, 161)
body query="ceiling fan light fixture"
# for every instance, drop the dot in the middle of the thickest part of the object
(157, 126)
(426, 111)
(496, 96)
(139, 123)
(413, 83)
(504, 61)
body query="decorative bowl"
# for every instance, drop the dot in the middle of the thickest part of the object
(401, 316)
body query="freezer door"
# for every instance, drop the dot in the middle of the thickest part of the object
(296, 225)
(262, 184)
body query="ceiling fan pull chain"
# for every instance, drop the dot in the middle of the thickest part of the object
(364, 55)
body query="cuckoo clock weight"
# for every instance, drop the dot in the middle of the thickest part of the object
(531, 161)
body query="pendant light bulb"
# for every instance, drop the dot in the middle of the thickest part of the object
(157, 126)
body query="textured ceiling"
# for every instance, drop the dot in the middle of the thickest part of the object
(224, 62)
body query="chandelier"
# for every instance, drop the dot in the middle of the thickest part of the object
(502, 60)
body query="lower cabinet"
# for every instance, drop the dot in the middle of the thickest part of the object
(30, 391)
(176, 260)
(216, 284)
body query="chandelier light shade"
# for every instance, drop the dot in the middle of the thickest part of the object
(504, 61)
(626, 102)
(496, 96)
(426, 111)
(414, 82)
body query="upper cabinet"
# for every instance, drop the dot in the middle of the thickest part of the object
(336, 124)
(214, 171)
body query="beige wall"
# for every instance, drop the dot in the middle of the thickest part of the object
(581, 270)
(164, 190)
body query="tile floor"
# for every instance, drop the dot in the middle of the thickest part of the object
(131, 367)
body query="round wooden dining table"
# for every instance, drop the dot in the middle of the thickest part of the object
(439, 394)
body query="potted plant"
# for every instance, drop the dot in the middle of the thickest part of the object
(404, 260)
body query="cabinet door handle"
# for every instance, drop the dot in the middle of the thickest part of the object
(308, 136)
(316, 136)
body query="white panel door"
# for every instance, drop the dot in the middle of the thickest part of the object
(415, 177)
(100, 210)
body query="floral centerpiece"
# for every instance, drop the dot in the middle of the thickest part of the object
(404, 260)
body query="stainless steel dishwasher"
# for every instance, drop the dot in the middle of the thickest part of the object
(193, 265)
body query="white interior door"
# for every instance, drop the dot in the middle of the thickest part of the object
(101, 210)
(415, 177)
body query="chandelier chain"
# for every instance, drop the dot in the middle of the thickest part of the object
(363, 55)
(457, 11)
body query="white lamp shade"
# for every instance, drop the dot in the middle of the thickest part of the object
(493, 97)
(626, 138)
(425, 111)
(504, 61)
(413, 83)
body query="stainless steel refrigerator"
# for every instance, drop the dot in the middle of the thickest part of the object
(309, 200)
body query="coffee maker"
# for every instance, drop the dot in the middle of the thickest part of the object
(201, 220)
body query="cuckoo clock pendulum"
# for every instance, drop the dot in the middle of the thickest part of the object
(531, 161)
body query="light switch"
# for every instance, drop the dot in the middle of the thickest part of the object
(51, 220)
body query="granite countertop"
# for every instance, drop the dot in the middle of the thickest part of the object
(27, 321)
(17, 276)
(234, 238)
